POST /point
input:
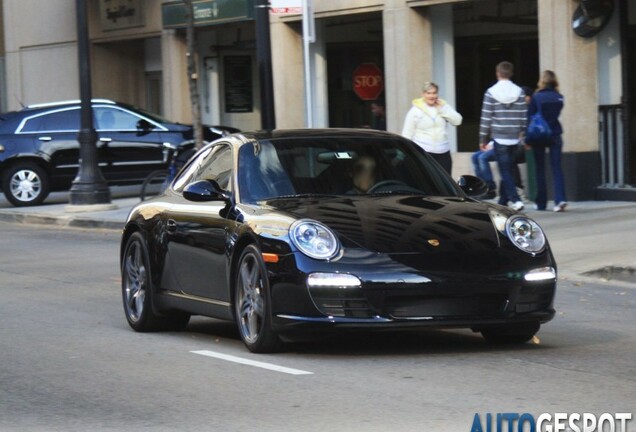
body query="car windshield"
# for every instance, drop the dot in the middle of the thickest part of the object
(287, 167)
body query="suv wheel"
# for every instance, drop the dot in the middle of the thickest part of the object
(25, 184)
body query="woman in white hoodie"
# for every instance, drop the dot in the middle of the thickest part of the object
(426, 124)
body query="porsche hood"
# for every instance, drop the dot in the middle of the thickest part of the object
(400, 224)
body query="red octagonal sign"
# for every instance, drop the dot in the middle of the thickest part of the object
(367, 81)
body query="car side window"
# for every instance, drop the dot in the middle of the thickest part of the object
(218, 166)
(114, 119)
(59, 121)
(186, 176)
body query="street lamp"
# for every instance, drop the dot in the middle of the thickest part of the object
(89, 186)
(264, 60)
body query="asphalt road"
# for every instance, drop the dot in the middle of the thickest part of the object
(69, 361)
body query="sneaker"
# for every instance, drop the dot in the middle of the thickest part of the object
(518, 206)
(522, 195)
(560, 206)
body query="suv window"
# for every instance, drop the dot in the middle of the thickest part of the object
(114, 119)
(58, 121)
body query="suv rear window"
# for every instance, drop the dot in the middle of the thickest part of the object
(58, 121)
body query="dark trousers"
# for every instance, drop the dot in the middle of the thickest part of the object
(505, 156)
(444, 159)
(557, 173)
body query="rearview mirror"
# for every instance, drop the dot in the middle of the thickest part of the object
(205, 191)
(473, 186)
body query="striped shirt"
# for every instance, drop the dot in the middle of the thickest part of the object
(503, 122)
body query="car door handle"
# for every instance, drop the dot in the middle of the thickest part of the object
(105, 139)
(171, 226)
(45, 138)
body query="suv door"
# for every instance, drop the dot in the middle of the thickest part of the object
(132, 144)
(54, 135)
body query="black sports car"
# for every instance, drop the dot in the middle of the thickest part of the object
(295, 231)
(39, 151)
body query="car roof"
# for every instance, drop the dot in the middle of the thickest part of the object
(316, 133)
(66, 102)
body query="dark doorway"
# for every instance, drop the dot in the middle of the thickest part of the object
(346, 109)
(631, 88)
(351, 41)
(486, 33)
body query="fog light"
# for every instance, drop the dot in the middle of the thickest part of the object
(540, 274)
(337, 280)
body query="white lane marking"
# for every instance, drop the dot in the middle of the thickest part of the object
(254, 363)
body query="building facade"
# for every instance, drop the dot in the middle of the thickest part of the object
(138, 51)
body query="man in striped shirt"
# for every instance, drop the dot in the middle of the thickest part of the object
(503, 120)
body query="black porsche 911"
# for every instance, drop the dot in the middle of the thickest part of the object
(293, 232)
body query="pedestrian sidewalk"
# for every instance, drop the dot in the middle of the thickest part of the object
(108, 216)
(587, 237)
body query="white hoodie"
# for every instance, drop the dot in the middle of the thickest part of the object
(427, 125)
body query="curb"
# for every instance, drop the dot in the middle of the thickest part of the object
(66, 221)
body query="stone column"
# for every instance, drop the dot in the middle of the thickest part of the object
(287, 65)
(574, 60)
(408, 58)
(176, 95)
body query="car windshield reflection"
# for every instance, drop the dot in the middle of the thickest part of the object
(282, 168)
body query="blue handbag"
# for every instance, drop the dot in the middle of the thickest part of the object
(538, 130)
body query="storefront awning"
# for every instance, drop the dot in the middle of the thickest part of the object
(208, 12)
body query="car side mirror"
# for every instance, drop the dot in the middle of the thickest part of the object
(206, 191)
(473, 186)
(144, 125)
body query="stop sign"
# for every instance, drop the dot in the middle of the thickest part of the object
(367, 81)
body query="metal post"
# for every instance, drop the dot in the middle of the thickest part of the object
(89, 186)
(309, 37)
(625, 100)
(264, 60)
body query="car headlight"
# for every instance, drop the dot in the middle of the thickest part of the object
(526, 234)
(314, 239)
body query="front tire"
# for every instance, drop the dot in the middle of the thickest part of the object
(25, 184)
(137, 292)
(252, 305)
(514, 334)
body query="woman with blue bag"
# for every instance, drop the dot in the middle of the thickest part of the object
(545, 130)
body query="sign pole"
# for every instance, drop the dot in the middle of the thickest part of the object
(309, 37)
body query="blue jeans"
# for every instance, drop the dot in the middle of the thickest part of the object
(481, 165)
(557, 172)
(505, 156)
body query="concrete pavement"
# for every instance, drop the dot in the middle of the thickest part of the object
(589, 237)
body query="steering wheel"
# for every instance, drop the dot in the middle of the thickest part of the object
(387, 184)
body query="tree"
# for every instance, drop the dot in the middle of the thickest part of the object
(193, 75)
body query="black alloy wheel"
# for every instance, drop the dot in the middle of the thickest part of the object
(252, 305)
(137, 291)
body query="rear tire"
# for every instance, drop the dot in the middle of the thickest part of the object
(25, 184)
(513, 334)
(137, 291)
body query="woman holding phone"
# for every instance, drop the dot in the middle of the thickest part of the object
(427, 122)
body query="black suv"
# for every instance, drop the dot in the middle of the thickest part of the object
(39, 151)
